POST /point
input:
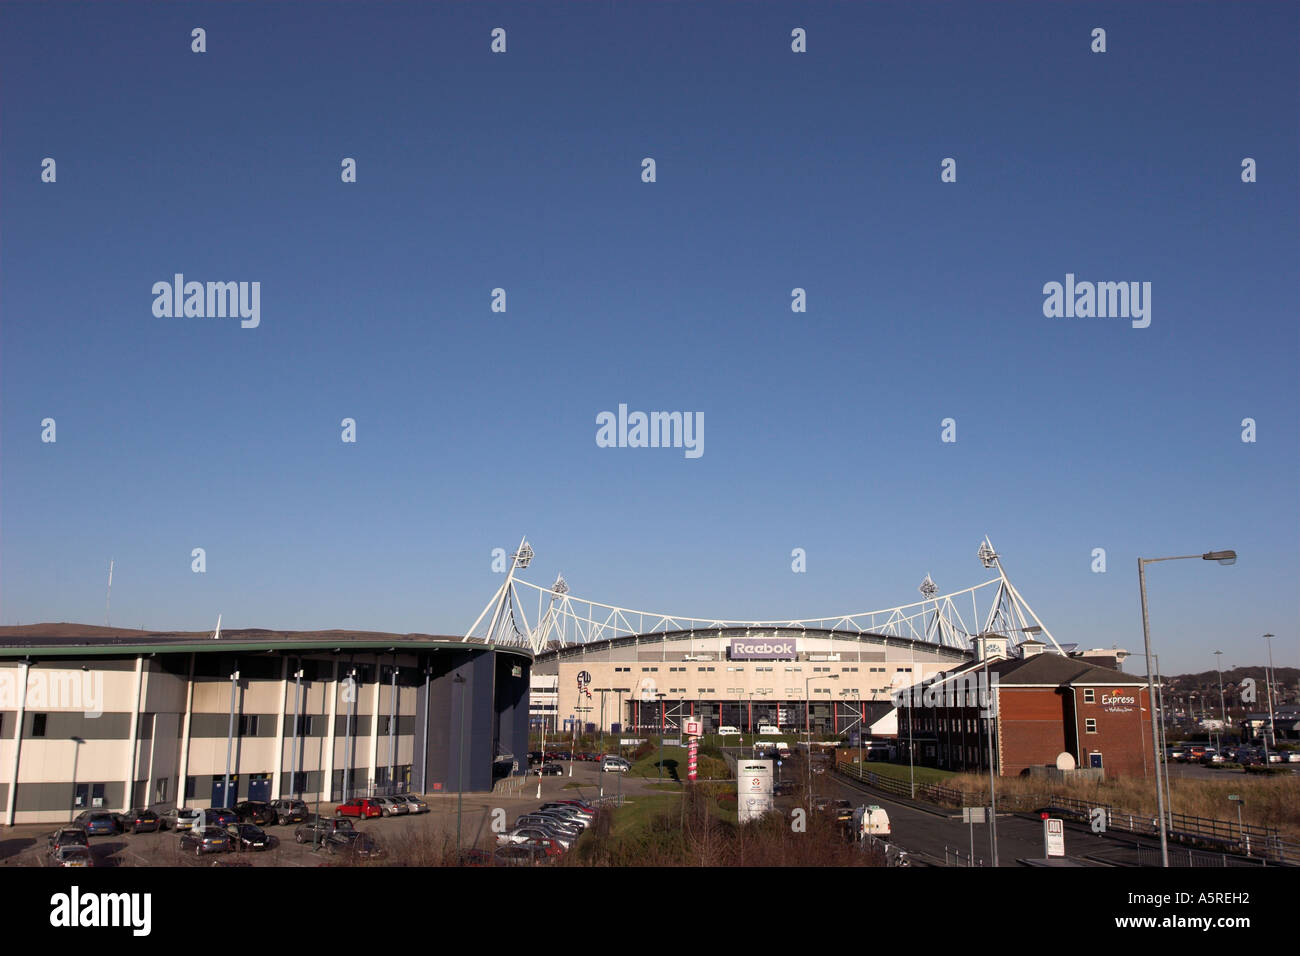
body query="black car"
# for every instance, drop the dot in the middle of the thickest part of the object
(549, 770)
(520, 854)
(256, 812)
(355, 845)
(246, 836)
(138, 821)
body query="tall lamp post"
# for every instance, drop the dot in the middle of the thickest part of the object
(1223, 709)
(1223, 557)
(807, 704)
(1272, 731)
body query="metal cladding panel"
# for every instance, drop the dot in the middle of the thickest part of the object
(456, 740)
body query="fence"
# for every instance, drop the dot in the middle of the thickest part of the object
(952, 856)
(1225, 836)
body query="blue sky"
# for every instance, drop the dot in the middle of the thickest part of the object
(775, 170)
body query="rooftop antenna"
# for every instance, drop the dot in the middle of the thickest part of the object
(216, 636)
(108, 601)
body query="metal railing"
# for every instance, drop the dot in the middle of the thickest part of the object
(952, 856)
(1227, 836)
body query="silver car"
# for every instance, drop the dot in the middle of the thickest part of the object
(415, 804)
(392, 806)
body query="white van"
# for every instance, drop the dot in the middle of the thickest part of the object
(767, 729)
(728, 731)
(871, 821)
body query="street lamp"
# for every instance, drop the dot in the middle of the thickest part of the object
(1223, 557)
(1223, 710)
(1269, 689)
(807, 703)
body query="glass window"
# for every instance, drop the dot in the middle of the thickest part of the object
(1090, 725)
(38, 725)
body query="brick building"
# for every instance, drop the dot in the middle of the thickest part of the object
(1045, 704)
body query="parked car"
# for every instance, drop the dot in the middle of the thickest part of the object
(549, 770)
(1293, 756)
(205, 840)
(522, 834)
(221, 816)
(248, 836)
(586, 813)
(534, 756)
(72, 855)
(566, 814)
(97, 822)
(520, 854)
(137, 821)
(289, 811)
(557, 828)
(391, 806)
(179, 819)
(322, 829)
(257, 812)
(360, 807)
(354, 844)
(68, 836)
(575, 802)
(415, 804)
(614, 765)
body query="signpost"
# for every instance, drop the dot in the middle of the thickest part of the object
(753, 789)
(1054, 835)
(972, 815)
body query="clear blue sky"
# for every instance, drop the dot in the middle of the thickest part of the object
(775, 171)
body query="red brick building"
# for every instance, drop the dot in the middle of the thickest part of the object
(1045, 705)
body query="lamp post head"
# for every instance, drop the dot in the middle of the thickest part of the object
(1223, 557)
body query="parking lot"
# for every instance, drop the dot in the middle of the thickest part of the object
(417, 839)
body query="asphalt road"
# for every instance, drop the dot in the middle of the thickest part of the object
(935, 835)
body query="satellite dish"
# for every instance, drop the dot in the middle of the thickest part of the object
(1064, 761)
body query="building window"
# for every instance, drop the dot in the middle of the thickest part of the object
(248, 725)
(97, 794)
(1090, 725)
(644, 669)
(160, 790)
(38, 725)
(1089, 695)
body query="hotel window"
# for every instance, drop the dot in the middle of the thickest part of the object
(1089, 695)
(644, 669)
(1090, 725)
